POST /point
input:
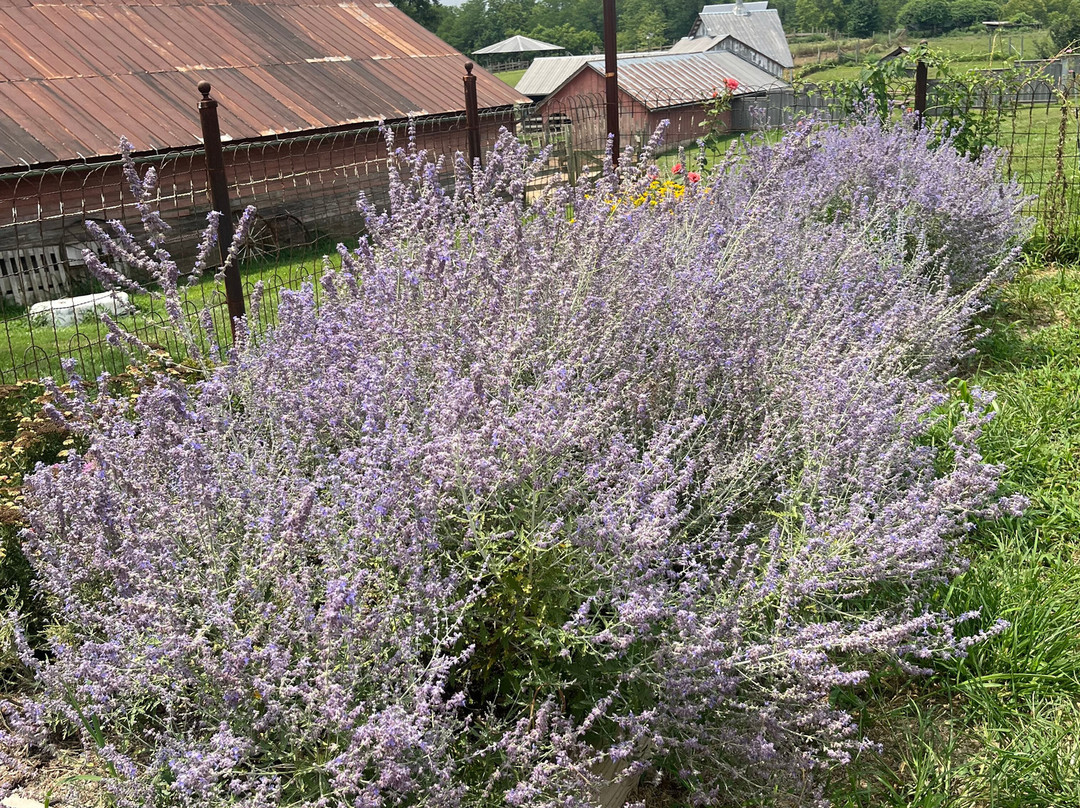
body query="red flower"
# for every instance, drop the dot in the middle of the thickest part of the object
(693, 176)
(731, 84)
(677, 168)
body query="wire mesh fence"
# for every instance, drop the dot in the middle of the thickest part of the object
(1033, 115)
(305, 189)
(1042, 142)
(49, 301)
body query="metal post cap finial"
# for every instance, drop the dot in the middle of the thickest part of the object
(468, 67)
(204, 88)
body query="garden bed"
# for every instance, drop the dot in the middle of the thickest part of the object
(653, 472)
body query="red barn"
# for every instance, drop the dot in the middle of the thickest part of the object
(652, 88)
(300, 84)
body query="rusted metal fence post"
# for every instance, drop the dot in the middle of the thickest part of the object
(920, 88)
(219, 199)
(472, 116)
(611, 75)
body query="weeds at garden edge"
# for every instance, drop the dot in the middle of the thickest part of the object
(1000, 728)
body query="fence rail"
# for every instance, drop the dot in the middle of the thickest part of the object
(306, 188)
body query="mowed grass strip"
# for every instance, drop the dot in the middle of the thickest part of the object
(964, 50)
(511, 77)
(1002, 727)
(32, 350)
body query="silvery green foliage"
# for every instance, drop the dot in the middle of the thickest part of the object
(540, 481)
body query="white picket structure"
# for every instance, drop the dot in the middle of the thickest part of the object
(32, 275)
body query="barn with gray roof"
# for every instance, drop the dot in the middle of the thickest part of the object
(737, 48)
(673, 87)
(752, 31)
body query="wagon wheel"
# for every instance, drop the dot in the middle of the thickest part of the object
(260, 243)
(290, 231)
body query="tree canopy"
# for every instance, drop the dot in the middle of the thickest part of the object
(577, 25)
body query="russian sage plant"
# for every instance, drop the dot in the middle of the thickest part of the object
(543, 481)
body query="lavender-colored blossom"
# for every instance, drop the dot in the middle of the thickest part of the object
(207, 243)
(544, 480)
(240, 236)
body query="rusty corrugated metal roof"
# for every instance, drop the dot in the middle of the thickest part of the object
(76, 76)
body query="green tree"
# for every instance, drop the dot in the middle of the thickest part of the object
(566, 36)
(579, 14)
(469, 27)
(577, 24)
(971, 12)
(1065, 26)
(428, 13)
(888, 9)
(447, 23)
(681, 14)
(1024, 21)
(821, 15)
(641, 26)
(650, 32)
(510, 17)
(864, 17)
(786, 10)
(1041, 10)
(932, 16)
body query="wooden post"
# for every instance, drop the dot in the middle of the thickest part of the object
(611, 77)
(571, 169)
(219, 199)
(472, 116)
(920, 89)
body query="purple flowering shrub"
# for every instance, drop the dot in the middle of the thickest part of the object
(539, 483)
(960, 210)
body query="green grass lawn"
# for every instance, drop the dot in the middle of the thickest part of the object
(976, 47)
(1031, 136)
(511, 77)
(30, 350)
(965, 51)
(1002, 727)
